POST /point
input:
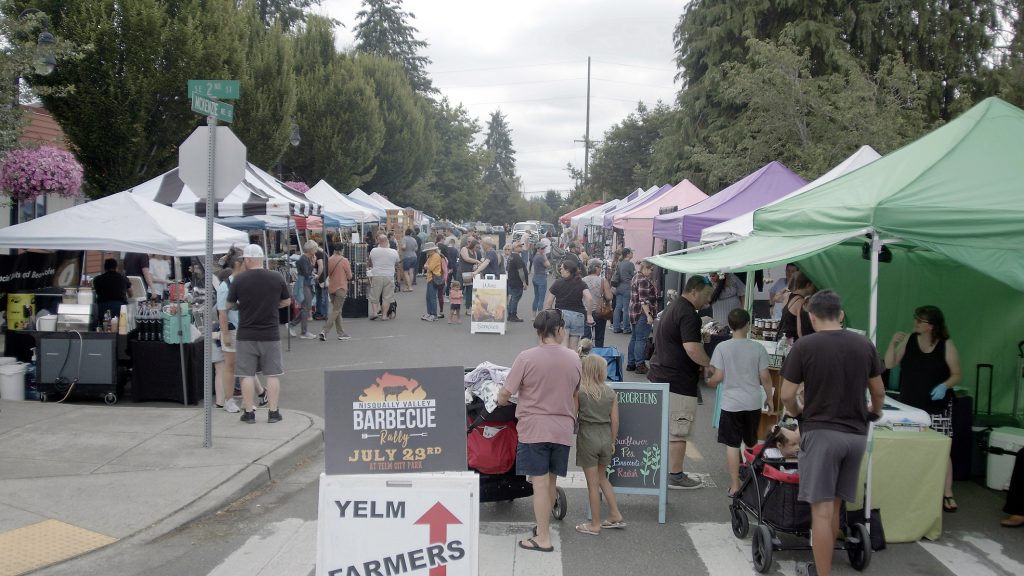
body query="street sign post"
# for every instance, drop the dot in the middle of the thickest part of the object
(205, 106)
(224, 169)
(220, 89)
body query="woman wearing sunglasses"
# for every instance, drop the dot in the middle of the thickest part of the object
(929, 369)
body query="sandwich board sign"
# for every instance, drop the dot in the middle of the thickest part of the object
(398, 525)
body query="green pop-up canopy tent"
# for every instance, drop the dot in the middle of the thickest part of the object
(949, 207)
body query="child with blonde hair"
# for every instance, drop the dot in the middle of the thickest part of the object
(455, 297)
(595, 442)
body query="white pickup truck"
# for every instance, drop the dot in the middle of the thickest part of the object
(528, 231)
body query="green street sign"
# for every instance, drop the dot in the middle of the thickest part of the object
(220, 89)
(205, 106)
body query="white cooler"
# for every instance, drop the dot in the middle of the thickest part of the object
(1000, 466)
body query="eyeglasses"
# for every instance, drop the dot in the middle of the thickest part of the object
(558, 312)
(921, 320)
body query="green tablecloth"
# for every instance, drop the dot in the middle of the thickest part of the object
(909, 469)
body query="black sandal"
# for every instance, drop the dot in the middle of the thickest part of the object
(949, 504)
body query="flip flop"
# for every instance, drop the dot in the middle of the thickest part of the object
(949, 504)
(585, 529)
(533, 546)
(610, 524)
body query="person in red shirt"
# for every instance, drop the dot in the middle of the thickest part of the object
(339, 274)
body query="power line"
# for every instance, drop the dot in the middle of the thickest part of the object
(637, 66)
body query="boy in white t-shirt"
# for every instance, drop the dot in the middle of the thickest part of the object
(741, 366)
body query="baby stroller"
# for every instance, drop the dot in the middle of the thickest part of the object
(491, 446)
(768, 491)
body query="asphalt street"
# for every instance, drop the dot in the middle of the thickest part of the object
(273, 530)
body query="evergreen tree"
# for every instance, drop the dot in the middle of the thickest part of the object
(264, 113)
(452, 188)
(337, 110)
(500, 180)
(285, 13)
(409, 139)
(383, 29)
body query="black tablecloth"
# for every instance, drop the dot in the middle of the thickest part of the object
(156, 371)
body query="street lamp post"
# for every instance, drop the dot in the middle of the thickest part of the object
(295, 139)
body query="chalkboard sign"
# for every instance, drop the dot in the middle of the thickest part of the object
(640, 462)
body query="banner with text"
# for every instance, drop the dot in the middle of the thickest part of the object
(401, 420)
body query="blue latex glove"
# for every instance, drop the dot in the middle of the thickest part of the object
(939, 392)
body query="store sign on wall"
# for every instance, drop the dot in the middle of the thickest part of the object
(393, 421)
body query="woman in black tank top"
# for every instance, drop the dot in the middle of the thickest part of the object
(793, 326)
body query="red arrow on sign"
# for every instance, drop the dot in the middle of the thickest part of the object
(438, 518)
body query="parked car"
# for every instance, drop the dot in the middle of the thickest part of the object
(528, 231)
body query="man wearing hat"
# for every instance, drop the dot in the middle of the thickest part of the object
(435, 279)
(257, 294)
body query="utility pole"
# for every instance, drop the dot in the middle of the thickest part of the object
(586, 135)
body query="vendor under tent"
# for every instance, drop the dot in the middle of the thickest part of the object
(637, 223)
(121, 222)
(949, 211)
(743, 224)
(566, 219)
(770, 182)
(651, 193)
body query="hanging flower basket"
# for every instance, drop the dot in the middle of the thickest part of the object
(26, 173)
(297, 186)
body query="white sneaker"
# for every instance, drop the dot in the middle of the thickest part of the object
(293, 329)
(232, 406)
(430, 318)
(307, 336)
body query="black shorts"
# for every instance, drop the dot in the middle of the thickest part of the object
(736, 427)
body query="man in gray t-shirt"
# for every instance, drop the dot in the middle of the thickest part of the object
(741, 368)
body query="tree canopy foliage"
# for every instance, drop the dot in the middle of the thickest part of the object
(383, 29)
(500, 180)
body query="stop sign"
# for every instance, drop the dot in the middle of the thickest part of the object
(228, 162)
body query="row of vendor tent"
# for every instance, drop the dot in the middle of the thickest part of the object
(121, 222)
(948, 209)
(566, 218)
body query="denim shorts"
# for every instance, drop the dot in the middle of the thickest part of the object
(574, 322)
(541, 458)
(409, 263)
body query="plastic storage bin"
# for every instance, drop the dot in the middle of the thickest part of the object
(12, 382)
(1000, 466)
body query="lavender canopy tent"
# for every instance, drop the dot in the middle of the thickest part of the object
(770, 182)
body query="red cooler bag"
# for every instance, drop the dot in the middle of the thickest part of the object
(491, 447)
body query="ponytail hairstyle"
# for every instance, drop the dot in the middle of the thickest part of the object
(584, 347)
(548, 322)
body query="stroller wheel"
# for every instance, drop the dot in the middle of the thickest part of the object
(740, 522)
(761, 546)
(859, 552)
(559, 509)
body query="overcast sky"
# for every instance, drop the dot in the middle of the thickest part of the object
(528, 58)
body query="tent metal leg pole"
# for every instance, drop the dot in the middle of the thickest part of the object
(266, 251)
(876, 248)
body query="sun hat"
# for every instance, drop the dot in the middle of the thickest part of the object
(428, 246)
(252, 251)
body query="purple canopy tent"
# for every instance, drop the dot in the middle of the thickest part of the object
(771, 182)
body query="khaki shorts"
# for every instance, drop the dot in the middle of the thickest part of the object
(382, 287)
(682, 411)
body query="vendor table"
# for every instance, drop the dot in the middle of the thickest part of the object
(156, 371)
(907, 483)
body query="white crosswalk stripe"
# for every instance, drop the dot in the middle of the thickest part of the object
(967, 553)
(724, 554)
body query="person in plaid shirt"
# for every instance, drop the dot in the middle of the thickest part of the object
(643, 308)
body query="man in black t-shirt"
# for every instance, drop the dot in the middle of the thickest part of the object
(258, 293)
(137, 264)
(678, 357)
(836, 366)
(517, 282)
(111, 289)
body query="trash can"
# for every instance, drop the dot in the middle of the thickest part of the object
(1000, 466)
(12, 382)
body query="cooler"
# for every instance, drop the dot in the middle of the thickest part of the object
(12, 382)
(1000, 466)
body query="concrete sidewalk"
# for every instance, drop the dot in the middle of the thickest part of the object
(74, 478)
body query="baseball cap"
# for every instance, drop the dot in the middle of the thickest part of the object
(252, 251)
(545, 242)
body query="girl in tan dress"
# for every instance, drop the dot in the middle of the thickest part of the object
(595, 442)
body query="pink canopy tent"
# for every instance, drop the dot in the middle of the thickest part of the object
(637, 223)
(564, 219)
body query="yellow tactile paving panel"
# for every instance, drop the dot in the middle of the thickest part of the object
(32, 547)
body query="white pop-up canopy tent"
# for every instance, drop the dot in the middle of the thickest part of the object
(364, 199)
(335, 202)
(383, 201)
(122, 222)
